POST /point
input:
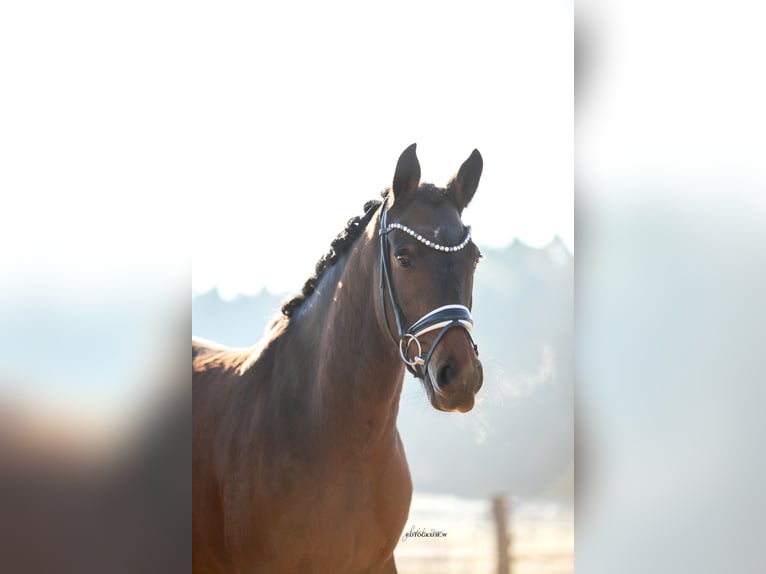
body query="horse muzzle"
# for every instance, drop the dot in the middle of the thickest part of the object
(454, 373)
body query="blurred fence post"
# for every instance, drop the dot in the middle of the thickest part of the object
(500, 510)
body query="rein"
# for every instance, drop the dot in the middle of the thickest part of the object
(444, 318)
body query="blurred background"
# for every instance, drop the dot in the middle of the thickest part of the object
(671, 224)
(133, 136)
(148, 143)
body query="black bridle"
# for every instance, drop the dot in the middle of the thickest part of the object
(444, 318)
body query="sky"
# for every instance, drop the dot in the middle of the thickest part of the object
(308, 106)
(142, 140)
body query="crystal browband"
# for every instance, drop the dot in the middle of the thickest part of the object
(428, 242)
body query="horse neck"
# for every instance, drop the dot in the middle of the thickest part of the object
(357, 373)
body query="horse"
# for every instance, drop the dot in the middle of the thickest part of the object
(297, 462)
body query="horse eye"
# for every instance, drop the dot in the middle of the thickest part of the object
(403, 259)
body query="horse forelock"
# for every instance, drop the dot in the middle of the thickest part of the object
(427, 193)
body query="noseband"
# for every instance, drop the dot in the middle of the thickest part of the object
(444, 318)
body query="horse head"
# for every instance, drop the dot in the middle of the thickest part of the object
(427, 267)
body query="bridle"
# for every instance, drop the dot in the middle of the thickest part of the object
(444, 318)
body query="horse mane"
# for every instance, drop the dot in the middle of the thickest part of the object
(339, 246)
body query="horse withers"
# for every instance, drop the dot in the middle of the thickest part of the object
(297, 462)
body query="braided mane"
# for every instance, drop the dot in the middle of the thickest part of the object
(339, 246)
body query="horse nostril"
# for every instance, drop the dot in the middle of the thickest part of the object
(446, 374)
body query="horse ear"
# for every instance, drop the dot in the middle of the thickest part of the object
(407, 175)
(463, 185)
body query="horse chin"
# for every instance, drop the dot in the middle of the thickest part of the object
(447, 402)
(462, 406)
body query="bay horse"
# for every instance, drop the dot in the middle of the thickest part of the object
(297, 462)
